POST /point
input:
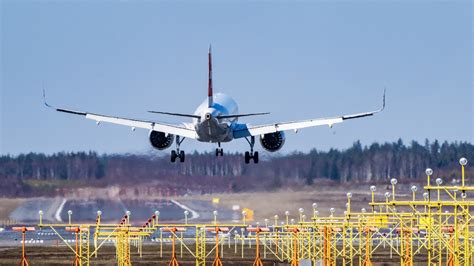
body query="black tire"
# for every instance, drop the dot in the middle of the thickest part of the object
(222, 152)
(173, 156)
(181, 156)
(247, 157)
(217, 152)
(255, 157)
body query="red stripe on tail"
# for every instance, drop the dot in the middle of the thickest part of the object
(209, 89)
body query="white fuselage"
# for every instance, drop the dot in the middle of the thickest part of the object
(209, 127)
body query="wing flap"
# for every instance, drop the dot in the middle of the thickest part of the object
(167, 128)
(242, 130)
(180, 130)
(246, 131)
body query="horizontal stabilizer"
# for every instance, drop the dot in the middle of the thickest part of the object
(241, 115)
(174, 114)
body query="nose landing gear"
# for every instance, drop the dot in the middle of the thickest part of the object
(219, 150)
(251, 155)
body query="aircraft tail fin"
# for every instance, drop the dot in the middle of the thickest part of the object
(209, 87)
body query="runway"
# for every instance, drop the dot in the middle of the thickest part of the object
(56, 210)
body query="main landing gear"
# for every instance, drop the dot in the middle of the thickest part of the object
(251, 155)
(219, 150)
(177, 153)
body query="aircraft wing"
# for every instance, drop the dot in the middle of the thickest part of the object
(242, 130)
(180, 130)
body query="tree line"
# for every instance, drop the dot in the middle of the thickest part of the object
(39, 174)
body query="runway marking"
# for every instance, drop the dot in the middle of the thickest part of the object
(194, 214)
(57, 215)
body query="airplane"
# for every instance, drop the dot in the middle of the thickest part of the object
(215, 121)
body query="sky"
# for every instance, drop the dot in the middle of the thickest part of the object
(297, 60)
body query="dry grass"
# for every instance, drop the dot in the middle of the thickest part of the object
(7, 206)
(267, 204)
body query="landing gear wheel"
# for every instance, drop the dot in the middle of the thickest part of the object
(177, 153)
(219, 152)
(247, 157)
(251, 154)
(173, 156)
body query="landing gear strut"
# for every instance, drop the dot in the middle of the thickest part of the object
(251, 155)
(177, 153)
(219, 150)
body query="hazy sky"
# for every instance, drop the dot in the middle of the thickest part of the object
(296, 60)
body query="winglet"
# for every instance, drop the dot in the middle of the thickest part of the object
(60, 109)
(44, 99)
(383, 99)
(345, 117)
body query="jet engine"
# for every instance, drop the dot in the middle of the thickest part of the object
(160, 140)
(273, 141)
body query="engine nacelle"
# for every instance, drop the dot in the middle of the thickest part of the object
(160, 140)
(273, 141)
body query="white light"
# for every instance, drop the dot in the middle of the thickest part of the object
(349, 195)
(387, 194)
(40, 212)
(301, 210)
(439, 181)
(463, 195)
(393, 181)
(287, 213)
(373, 188)
(99, 213)
(414, 188)
(463, 161)
(186, 212)
(69, 212)
(332, 210)
(215, 213)
(128, 213)
(157, 213)
(316, 213)
(428, 171)
(244, 213)
(425, 195)
(266, 220)
(315, 205)
(363, 210)
(275, 217)
(345, 213)
(347, 205)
